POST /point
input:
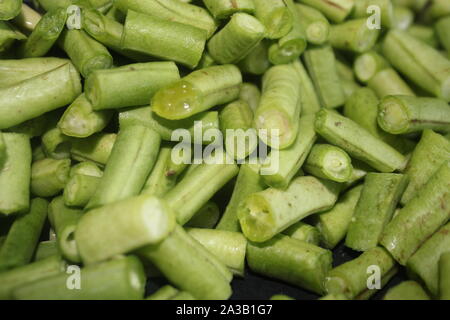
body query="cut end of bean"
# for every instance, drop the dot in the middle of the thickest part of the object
(318, 32)
(275, 128)
(176, 101)
(255, 219)
(336, 166)
(393, 117)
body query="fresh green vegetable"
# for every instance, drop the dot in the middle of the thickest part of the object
(419, 62)
(37, 95)
(275, 16)
(172, 40)
(234, 41)
(424, 263)
(122, 278)
(329, 162)
(248, 181)
(388, 82)
(353, 35)
(80, 120)
(222, 9)
(45, 34)
(294, 261)
(422, 216)
(23, 236)
(172, 10)
(444, 276)
(357, 141)
(228, 246)
(276, 118)
(132, 158)
(430, 153)
(86, 53)
(180, 249)
(130, 85)
(266, 213)
(10, 9)
(15, 174)
(321, 64)
(333, 223)
(281, 166)
(132, 223)
(406, 114)
(289, 47)
(17, 277)
(407, 290)
(376, 205)
(197, 92)
(351, 278)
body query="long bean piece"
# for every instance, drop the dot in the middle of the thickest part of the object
(38, 95)
(419, 218)
(23, 236)
(264, 214)
(15, 174)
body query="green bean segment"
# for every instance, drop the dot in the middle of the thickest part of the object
(329, 162)
(350, 278)
(197, 92)
(321, 64)
(231, 44)
(15, 174)
(130, 85)
(316, 26)
(228, 246)
(23, 236)
(248, 181)
(430, 153)
(444, 276)
(407, 290)
(281, 166)
(291, 260)
(80, 120)
(424, 264)
(49, 176)
(172, 10)
(222, 9)
(353, 35)
(133, 223)
(275, 16)
(173, 41)
(122, 278)
(406, 114)
(236, 122)
(86, 53)
(29, 273)
(40, 94)
(45, 34)
(420, 63)
(167, 128)
(348, 135)
(333, 224)
(289, 47)
(388, 82)
(406, 232)
(335, 10)
(276, 118)
(264, 214)
(132, 158)
(179, 248)
(379, 198)
(64, 221)
(10, 9)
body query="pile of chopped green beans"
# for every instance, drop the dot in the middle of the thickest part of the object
(350, 99)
